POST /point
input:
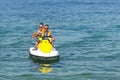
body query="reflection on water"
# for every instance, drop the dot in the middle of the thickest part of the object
(45, 68)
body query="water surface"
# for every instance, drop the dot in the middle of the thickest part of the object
(87, 38)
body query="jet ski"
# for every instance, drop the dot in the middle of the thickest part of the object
(45, 51)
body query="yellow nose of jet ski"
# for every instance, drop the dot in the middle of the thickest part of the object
(45, 46)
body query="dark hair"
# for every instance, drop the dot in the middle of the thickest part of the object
(41, 23)
(47, 25)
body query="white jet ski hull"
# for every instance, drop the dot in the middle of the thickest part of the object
(44, 56)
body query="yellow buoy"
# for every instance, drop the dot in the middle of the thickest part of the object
(45, 46)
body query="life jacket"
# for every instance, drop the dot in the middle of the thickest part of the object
(46, 34)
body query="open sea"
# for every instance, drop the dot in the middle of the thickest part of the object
(87, 34)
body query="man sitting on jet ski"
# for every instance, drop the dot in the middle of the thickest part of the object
(46, 34)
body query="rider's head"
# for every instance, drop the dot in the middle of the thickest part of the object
(46, 27)
(41, 25)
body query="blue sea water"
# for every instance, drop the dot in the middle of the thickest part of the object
(87, 34)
